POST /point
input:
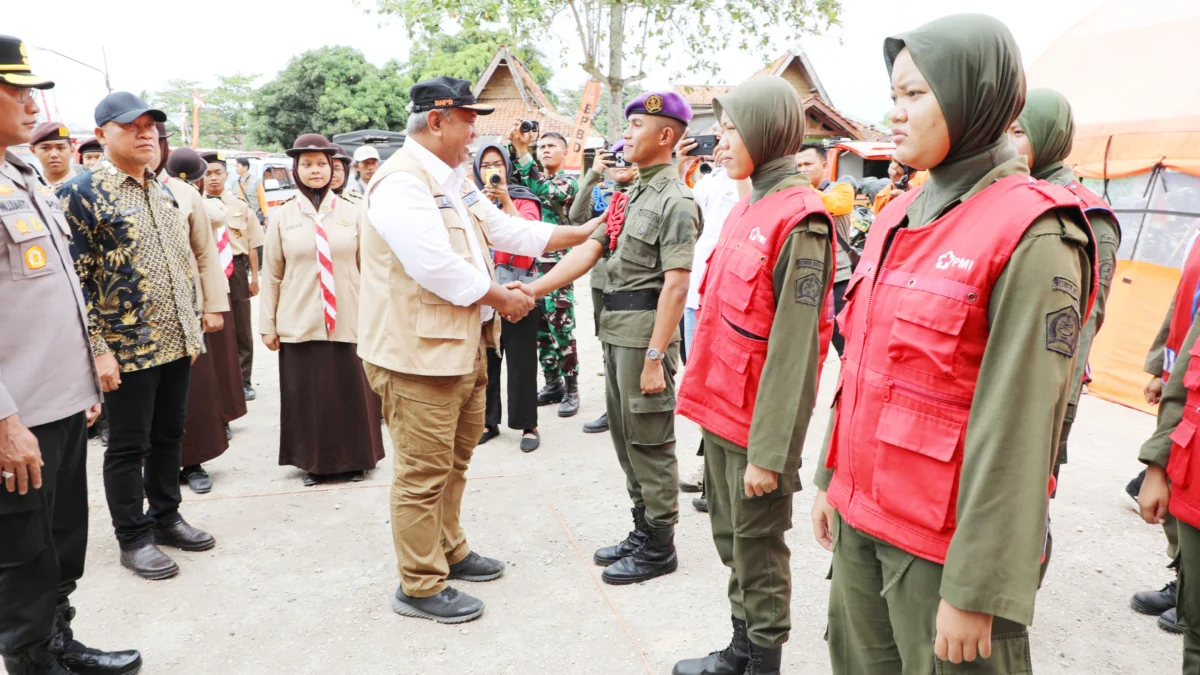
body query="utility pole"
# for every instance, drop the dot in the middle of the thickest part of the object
(103, 71)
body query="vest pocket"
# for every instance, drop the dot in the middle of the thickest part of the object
(1181, 454)
(438, 319)
(737, 285)
(843, 317)
(915, 467)
(727, 376)
(926, 333)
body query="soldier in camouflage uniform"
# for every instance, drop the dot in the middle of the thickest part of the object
(556, 333)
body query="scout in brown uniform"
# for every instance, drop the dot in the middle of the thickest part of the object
(245, 235)
(329, 417)
(51, 144)
(90, 153)
(49, 395)
(204, 436)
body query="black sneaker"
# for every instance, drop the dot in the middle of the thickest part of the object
(449, 606)
(1154, 603)
(475, 567)
(596, 426)
(1134, 488)
(250, 393)
(1169, 621)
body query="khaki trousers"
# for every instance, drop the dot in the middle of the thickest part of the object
(435, 423)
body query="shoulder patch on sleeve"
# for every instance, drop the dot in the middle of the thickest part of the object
(808, 289)
(810, 263)
(1062, 330)
(1106, 269)
(1066, 286)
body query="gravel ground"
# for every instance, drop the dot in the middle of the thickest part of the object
(301, 578)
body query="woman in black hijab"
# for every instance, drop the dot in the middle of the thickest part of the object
(935, 477)
(518, 341)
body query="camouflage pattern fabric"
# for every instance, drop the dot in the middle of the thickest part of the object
(556, 335)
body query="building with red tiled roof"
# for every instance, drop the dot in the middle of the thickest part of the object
(507, 86)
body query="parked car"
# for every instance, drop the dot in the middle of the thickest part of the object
(275, 182)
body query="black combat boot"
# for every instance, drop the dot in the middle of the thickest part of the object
(611, 554)
(39, 659)
(570, 402)
(553, 392)
(764, 661)
(1154, 603)
(85, 660)
(655, 558)
(729, 661)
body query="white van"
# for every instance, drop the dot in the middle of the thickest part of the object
(275, 182)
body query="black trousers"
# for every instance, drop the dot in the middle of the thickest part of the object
(146, 417)
(518, 342)
(239, 304)
(43, 537)
(839, 301)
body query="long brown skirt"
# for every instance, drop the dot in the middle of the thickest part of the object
(204, 428)
(329, 418)
(223, 347)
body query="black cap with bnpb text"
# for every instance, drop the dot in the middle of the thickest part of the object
(123, 107)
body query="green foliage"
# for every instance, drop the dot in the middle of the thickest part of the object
(886, 121)
(223, 119)
(466, 54)
(569, 106)
(329, 91)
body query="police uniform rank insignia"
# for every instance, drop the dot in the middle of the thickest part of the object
(654, 104)
(1062, 331)
(808, 290)
(35, 258)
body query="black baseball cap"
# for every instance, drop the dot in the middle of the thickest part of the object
(14, 66)
(445, 92)
(123, 107)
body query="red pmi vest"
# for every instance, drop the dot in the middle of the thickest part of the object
(1185, 483)
(1181, 316)
(738, 309)
(916, 319)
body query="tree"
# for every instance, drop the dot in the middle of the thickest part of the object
(570, 107)
(223, 119)
(466, 54)
(701, 29)
(329, 91)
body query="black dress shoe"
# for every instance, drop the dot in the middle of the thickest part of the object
(488, 434)
(1169, 621)
(570, 402)
(149, 562)
(250, 393)
(611, 554)
(700, 504)
(183, 536)
(38, 659)
(531, 444)
(475, 567)
(729, 661)
(87, 661)
(311, 479)
(197, 479)
(553, 392)
(764, 661)
(357, 476)
(596, 426)
(449, 606)
(1154, 603)
(653, 559)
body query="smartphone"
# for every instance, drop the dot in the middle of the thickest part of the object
(705, 145)
(619, 160)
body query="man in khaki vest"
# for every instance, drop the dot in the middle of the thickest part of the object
(428, 307)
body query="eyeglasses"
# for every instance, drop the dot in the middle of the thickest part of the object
(22, 94)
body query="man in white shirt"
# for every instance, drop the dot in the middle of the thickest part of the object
(428, 305)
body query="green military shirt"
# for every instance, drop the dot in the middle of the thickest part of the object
(582, 210)
(1156, 357)
(1157, 450)
(661, 222)
(1016, 416)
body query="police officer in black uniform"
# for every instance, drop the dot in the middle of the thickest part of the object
(49, 395)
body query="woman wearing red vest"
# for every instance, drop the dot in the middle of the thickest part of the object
(764, 327)
(1172, 487)
(963, 318)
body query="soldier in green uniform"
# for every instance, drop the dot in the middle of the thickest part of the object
(594, 196)
(958, 84)
(556, 332)
(750, 488)
(647, 246)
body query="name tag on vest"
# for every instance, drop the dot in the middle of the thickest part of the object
(470, 198)
(444, 203)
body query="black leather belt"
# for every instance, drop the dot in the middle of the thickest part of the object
(631, 301)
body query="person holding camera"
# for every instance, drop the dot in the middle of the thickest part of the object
(903, 178)
(596, 194)
(518, 339)
(556, 333)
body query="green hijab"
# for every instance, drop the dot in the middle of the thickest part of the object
(1048, 124)
(769, 117)
(973, 66)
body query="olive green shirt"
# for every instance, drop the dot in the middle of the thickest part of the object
(1016, 418)
(661, 222)
(1156, 359)
(1157, 449)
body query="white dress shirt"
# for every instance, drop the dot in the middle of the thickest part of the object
(403, 211)
(716, 194)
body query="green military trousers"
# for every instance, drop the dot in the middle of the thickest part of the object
(643, 432)
(748, 533)
(883, 605)
(1189, 596)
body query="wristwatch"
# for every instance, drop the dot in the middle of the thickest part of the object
(654, 354)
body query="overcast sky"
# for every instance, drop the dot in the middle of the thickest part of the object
(260, 36)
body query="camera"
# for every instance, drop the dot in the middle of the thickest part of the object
(706, 168)
(494, 180)
(491, 175)
(528, 126)
(619, 160)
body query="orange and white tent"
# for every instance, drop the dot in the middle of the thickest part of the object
(1127, 70)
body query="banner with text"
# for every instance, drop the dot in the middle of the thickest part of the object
(583, 126)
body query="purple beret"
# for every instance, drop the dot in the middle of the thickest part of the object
(662, 103)
(617, 147)
(50, 131)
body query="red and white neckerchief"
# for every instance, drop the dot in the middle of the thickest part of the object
(224, 252)
(324, 258)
